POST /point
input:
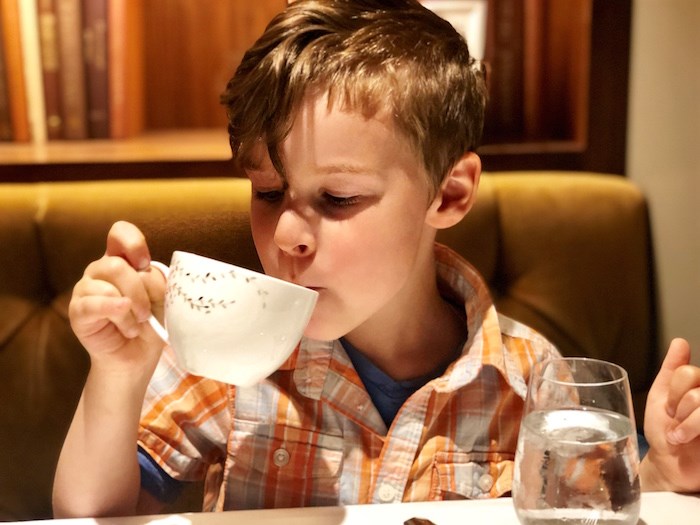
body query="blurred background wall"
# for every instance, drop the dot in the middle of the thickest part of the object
(663, 153)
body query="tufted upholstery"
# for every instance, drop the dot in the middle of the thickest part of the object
(566, 253)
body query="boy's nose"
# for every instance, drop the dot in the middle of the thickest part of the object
(293, 234)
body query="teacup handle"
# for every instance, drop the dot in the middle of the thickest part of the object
(155, 324)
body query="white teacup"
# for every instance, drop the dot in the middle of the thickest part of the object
(229, 323)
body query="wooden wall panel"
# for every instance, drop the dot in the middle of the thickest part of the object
(192, 49)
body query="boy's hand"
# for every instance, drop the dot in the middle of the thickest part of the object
(112, 302)
(672, 424)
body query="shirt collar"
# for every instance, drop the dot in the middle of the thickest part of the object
(461, 283)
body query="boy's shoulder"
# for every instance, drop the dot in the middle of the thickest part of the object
(513, 329)
(523, 347)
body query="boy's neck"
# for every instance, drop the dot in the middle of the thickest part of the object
(428, 335)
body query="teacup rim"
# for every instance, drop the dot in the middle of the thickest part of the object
(250, 271)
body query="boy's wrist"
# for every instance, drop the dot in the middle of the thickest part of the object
(121, 373)
(651, 478)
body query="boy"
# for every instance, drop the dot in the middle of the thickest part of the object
(356, 122)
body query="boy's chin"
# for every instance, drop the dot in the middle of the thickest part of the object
(322, 331)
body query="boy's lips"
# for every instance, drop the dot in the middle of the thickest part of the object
(309, 286)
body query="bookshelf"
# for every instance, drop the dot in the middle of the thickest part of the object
(573, 89)
(572, 94)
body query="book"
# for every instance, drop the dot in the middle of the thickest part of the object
(126, 67)
(95, 55)
(72, 70)
(50, 64)
(14, 70)
(33, 79)
(504, 58)
(5, 121)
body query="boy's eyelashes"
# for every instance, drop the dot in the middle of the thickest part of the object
(271, 196)
(341, 202)
(275, 196)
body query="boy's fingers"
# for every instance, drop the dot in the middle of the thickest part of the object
(118, 273)
(684, 393)
(687, 430)
(93, 313)
(677, 356)
(155, 282)
(126, 240)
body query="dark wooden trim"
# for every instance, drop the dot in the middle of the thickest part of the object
(604, 149)
(116, 170)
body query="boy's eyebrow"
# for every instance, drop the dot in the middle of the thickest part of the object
(330, 169)
(265, 175)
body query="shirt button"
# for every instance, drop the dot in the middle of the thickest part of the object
(280, 457)
(386, 492)
(485, 482)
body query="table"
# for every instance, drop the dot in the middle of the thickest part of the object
(658, 508)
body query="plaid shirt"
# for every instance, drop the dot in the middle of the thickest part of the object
(310, 435)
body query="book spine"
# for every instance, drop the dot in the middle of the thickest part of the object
(50, 64)
(125, 36)
(95, 54)
(17, 95)
(33, 79)
(5, 120)
(534, 47)
(72, 71)
(504, 54)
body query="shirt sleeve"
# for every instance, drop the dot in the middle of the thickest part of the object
(185, 421)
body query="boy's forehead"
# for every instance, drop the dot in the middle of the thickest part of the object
(322, 103)
(327, 138)
(325, 131)
(321, 114)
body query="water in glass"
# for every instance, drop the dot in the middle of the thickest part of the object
(576, 463)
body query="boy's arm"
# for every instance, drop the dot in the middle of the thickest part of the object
(97, 472)
(672, 425)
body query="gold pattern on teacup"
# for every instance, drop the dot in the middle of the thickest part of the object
(202, 303)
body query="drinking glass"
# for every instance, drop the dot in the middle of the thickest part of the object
(577, 460)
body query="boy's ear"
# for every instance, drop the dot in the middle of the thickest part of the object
(456, 194)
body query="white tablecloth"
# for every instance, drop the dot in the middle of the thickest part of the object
(658, 508)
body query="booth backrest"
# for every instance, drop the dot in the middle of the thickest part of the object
(567, 253)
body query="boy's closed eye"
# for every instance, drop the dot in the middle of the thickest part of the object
(270, 196)
(342, 207)
(332, 205)
(340, 201)
(326, 200)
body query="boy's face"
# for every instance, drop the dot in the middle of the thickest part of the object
(349, 218)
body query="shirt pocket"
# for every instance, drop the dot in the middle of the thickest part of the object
(272, 466)
(471, 475)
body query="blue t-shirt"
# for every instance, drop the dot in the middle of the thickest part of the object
(387, 394)
(156, 481)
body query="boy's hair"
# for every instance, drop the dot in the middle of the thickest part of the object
(371, 56)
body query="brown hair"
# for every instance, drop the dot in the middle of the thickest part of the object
(369, 56)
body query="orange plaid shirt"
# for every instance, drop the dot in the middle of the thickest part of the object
(310, 435)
